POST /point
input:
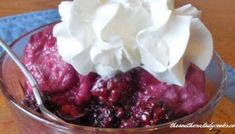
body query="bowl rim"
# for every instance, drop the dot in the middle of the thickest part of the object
(67, 126)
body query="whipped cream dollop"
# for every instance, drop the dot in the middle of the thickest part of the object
(108, 36)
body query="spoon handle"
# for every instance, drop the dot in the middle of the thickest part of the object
(28, 75)
(32, 81)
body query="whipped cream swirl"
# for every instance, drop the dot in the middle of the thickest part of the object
(108, 36)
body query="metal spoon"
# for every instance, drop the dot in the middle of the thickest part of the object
(32, 81)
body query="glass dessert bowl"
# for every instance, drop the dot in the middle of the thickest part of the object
(13, 84)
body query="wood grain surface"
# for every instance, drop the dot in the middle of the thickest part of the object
(218, 15)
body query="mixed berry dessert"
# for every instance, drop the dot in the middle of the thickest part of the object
(121, 63)
(128, 99)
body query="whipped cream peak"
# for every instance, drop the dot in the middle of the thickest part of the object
(108, 36)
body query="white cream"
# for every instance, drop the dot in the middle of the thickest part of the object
(117, 35)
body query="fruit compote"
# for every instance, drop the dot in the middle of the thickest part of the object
(131, 99)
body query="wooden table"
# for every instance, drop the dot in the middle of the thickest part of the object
(218, 15)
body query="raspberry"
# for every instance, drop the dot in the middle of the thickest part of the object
(111, 90)
(46, 65)
(184, 100)
(80, 94)
(151, 112)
